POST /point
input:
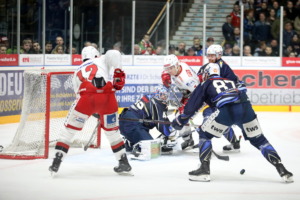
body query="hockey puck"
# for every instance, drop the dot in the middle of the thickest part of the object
(242, 171)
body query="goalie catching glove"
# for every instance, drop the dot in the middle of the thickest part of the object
(119, 79)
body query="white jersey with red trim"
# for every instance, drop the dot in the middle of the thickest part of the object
(187, 78)
(98, 67)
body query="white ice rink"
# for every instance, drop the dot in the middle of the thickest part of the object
(89, 175)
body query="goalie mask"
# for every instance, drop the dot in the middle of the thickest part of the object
(89, 52)
(171, 64)
(161, 93)
(210, 69)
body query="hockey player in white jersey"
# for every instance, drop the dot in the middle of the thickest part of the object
(95, 96)
(186, 80)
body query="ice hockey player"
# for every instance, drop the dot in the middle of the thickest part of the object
(214, 55)
(232, 107)
(150, 107)
(95, 95)
(186, 80)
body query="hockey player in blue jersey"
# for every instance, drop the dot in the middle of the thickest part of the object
(214, 54)
(150, 107)
(232, 107)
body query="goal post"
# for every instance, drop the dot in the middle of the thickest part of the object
(48, 95)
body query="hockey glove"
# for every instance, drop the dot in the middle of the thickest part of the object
(119, 79)
(179, 122)
(241, 86)
(166, 79)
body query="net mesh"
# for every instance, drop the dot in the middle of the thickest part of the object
(30, 137)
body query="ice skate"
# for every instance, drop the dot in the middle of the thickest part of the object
(201, 174)
(56, 163)
(166, 150)
(285, 174)
(232, 148)
(124, 167)
(187, 144)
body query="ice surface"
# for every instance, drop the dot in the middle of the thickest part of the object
(89, 175)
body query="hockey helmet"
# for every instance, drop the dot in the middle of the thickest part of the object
(209, 70)
(215, 49)
(170, 61)
(89, 52)
(161, 93)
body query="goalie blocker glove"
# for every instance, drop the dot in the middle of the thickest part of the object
(118, 79)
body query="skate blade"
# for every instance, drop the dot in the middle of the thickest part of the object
(287, 179)
(125, 173)
(201, 178)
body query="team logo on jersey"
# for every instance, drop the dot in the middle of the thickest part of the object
(79, 119)
(189, 73)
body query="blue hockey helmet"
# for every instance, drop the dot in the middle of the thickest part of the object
(161, 93)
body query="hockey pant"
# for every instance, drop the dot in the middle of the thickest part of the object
(244, 117)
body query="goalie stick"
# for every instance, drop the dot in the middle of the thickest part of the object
(225, 158)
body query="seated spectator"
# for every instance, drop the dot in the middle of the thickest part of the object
(247, 51)
(58, 49)
(180, 51)
(235, 50)
(4, 42)
(275, 47)
(236, 16)
(291, 12)
(237, 35)
(209, 41)
(228, 50)
(137, 49)
(145, 42)
(288, 33)
(287, 51)
(263, 8)
(159, 50)
(3, 49)
(272, 16)
(268, 52)
(60, 41)
(191, 52)
(275, 29)
(87, 43)
(48, 47)
(25, 48)
(36, 48)
(261, 48)
(297, 24)
(276, 7)
(262, 29)
(227, 29)
(149, 51)
(197, 47)
(172, 49)
(295, 43)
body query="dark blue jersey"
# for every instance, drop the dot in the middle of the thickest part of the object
(216, 92)
(151, 108)
(225, 70)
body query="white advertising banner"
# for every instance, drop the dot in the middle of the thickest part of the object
(57, 59)
(31, 59)
(149, 60)
(261, 62)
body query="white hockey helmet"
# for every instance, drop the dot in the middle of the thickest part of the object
(161, 93)
(170, 61)
(215, 49)
(211, 69)
(89, 52)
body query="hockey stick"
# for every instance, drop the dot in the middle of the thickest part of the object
(225, 158)
(179, 103)
(151, 121)
(92, 136)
